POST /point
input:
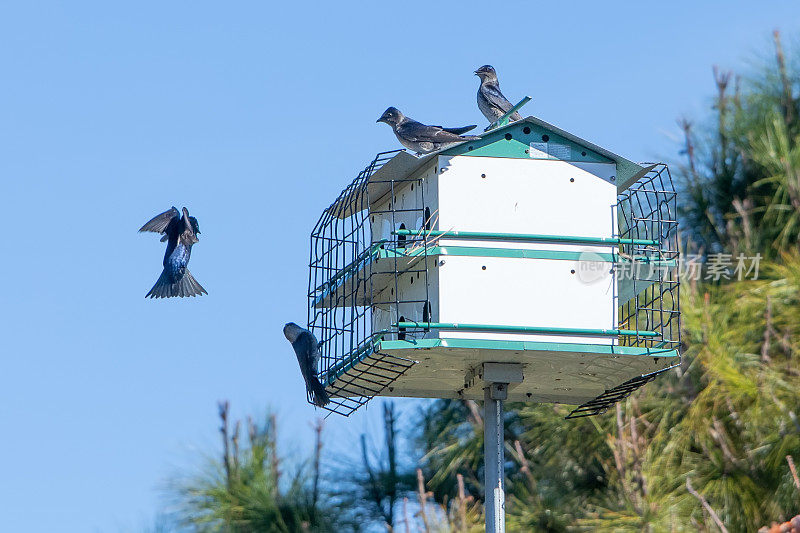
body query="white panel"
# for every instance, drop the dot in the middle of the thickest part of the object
(606, 171)
(526, 196)
(524, 292)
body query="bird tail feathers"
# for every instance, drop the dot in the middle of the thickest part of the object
(166, 288)
(459, 131)
(319, 396)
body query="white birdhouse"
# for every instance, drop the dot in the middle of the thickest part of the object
(529, 246)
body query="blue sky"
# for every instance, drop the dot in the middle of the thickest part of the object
(254, 116)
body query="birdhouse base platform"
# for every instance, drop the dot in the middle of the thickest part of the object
(565, 373)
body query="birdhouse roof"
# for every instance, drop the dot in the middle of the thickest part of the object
(529, 138)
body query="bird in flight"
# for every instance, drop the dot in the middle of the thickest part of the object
(491, 101)
(422, 138)
(306, 348)
(181, 233)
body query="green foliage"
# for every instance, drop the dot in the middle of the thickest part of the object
(739, 182)
(725, 422)
(243, 491)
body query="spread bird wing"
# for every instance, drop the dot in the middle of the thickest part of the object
(421, 133)
(496, 98)
(459, 131)
(159, 223)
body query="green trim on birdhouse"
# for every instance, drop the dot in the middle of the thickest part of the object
(560, 145)
(494, 344)
(520, 253)
(526, 237)
(515, 253)
(493, 328)
(521, 145)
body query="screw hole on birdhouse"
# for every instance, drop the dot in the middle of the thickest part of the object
(583, 154)
(613, 178)
(572, 180)
(469, 148)
(508, 136)
(483, 267)
(572, 271)
(483, 175)
(526, 130)
(545, 138)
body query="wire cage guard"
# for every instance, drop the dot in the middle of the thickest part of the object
(369, 237)
(342, 293)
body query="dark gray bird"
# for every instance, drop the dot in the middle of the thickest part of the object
(306, 348)
(181, 234)
(491, 101)
(421, 138)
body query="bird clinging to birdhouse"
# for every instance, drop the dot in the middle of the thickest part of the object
(306, 348)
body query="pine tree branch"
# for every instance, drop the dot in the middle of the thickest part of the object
(787, 97)
(422, 496)
(706, 506)
(793, 470)
(224, 408)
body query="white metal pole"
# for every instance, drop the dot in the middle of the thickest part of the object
(493, 451)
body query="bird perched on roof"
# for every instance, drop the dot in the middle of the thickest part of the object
(181, 233)
(491, 101)
(306, 348)
(422, 138)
